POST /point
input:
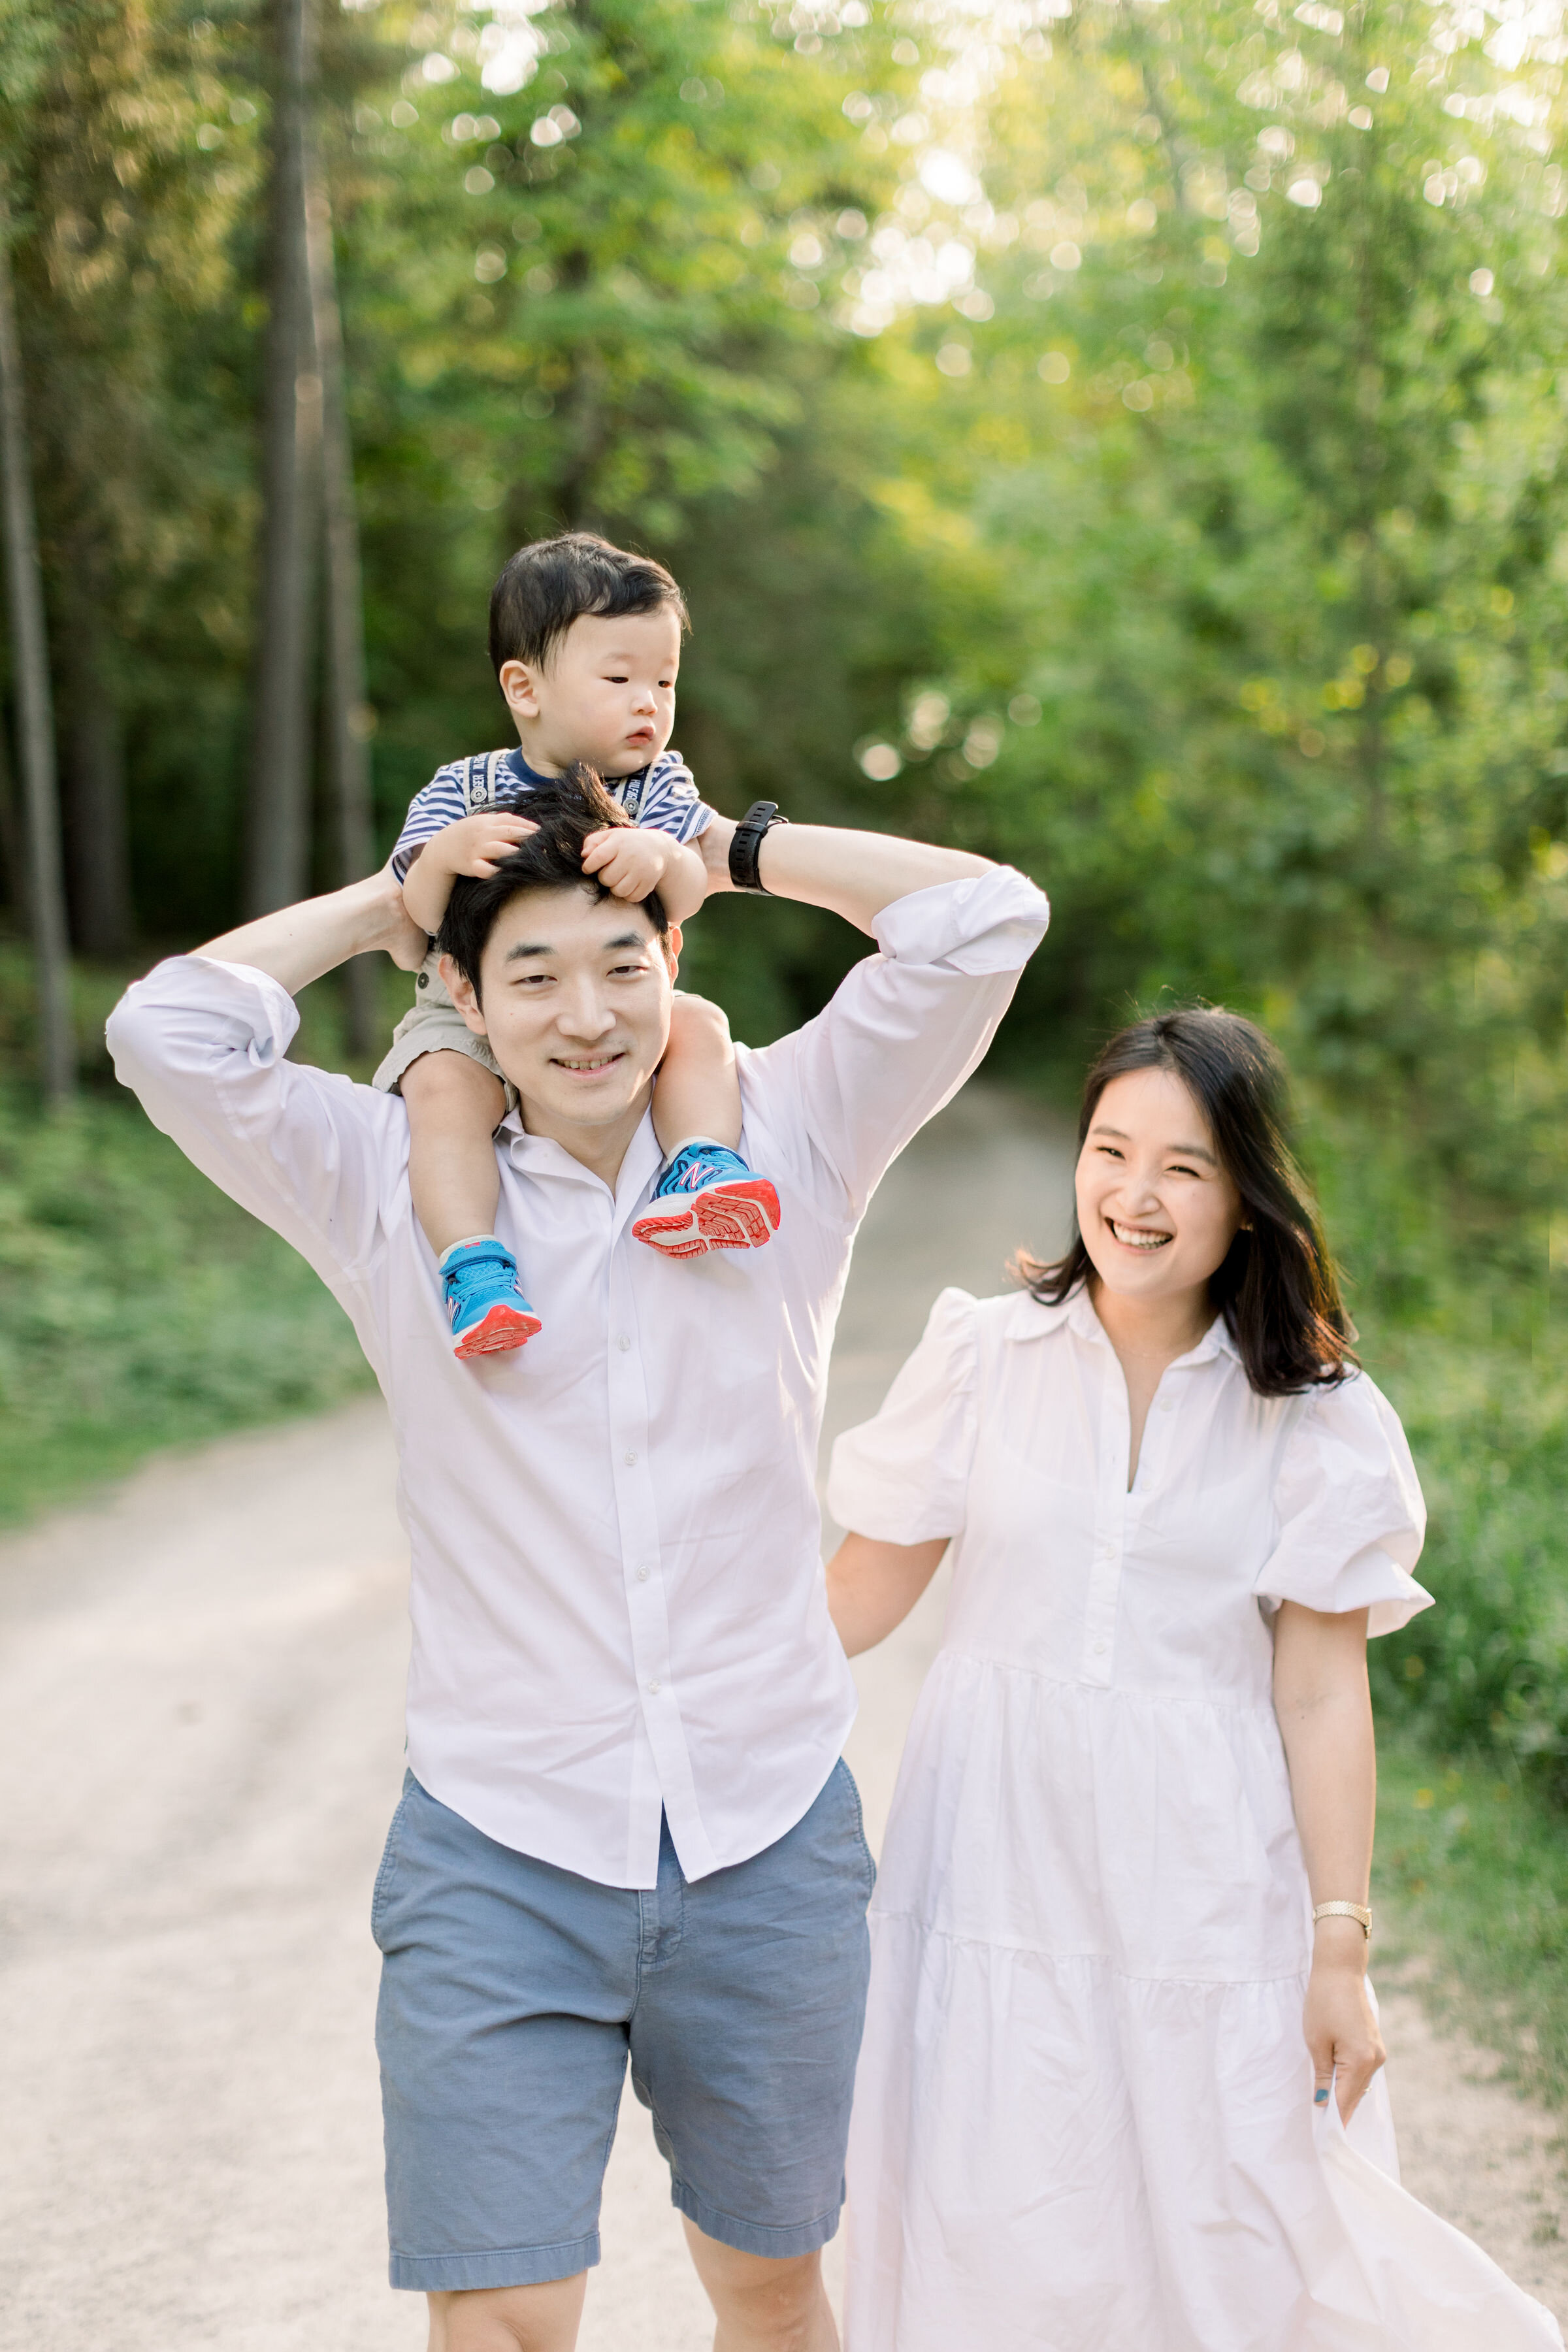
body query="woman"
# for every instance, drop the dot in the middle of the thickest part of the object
(1120, 1934)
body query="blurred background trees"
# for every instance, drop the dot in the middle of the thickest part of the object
(1130, 437)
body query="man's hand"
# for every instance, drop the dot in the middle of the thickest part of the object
(399, 936)
(628, 861)
(474, 846)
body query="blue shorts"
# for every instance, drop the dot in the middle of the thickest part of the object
(513, 1992)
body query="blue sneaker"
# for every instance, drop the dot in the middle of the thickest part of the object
(709, 1199)
(484, 1299)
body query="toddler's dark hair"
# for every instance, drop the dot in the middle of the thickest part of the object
(565, 812)
(1278, 1288)
(552, 583)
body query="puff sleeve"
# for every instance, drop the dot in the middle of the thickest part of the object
(903, 1477)
(1349, 1511)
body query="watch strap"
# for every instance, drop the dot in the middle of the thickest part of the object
(746, 845)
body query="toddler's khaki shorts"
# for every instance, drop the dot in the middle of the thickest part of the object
(435, 1025)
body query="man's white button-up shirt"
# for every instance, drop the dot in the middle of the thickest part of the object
(616, 1591)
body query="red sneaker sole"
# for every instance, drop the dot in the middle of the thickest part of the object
(728, 1216)
(502, 1329)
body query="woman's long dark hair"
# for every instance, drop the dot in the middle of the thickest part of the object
(1277, 1288)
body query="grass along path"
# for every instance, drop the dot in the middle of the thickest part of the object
(1471, 1876)
(139, 1307)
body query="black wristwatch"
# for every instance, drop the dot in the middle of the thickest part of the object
(749, 835)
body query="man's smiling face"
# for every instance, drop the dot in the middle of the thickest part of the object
(574, 993)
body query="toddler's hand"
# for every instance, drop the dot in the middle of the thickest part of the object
(476, 844)
(628, 861)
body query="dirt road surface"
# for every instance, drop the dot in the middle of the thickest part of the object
(200, 1741)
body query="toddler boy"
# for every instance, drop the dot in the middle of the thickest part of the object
(585, 640)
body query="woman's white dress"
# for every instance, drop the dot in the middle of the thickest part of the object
(1083, 2116)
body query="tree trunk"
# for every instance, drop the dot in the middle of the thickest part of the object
(350, 719)
(97, 841)
(13, 854)
(35, 711)
(278, 849)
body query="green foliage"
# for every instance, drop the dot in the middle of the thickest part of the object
(138, 1307)
(1487, 1669)
(1275, 554)
(1474, 1355)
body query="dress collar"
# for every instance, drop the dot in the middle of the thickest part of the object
(1216, 1341)
(1032, 1320)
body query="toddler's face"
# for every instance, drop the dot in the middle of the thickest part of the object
(606, 694)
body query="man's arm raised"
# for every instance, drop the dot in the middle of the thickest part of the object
(855, 874)
(203, 1040)
(298, 944)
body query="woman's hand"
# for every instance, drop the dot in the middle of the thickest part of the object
(1337, 2019)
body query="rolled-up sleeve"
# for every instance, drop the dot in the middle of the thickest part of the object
(203, 1044)
(907, 1027)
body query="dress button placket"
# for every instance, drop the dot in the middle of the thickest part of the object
(1109, 1529)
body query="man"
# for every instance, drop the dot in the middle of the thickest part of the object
(626, 1827)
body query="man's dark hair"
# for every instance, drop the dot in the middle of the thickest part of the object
(1278, 1288)
(552, 583)
(565, 812)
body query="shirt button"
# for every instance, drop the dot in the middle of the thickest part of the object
(654, 1688)
(623, 1343)
(1100, 1650)
(631, 1457)
(642, 1576)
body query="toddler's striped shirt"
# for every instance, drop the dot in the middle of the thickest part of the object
(662, 797)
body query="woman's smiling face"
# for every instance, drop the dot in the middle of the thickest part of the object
(1157, 1210)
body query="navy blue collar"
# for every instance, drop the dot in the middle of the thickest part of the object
(533, 781)
(525, 774)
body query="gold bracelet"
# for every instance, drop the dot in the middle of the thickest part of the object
(1356, 1911)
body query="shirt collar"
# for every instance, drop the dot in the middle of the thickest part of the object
(523, 774)
(533, 781)
(540, 1156)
